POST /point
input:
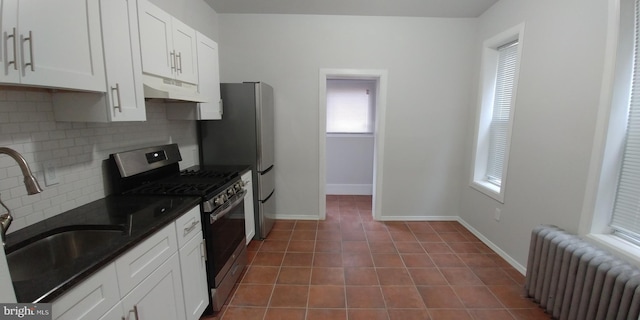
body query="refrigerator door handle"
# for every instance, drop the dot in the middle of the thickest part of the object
(269, 197)
(265, 171)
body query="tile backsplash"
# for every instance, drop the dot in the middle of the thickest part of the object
(76, 150)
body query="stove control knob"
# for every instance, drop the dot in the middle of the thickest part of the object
(231, 191)
(220, 200)
(238, 186)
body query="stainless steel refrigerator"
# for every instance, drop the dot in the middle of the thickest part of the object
(245, 136)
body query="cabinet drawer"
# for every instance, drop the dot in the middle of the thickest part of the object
(188, 225)
(90, 299)
(142, 260)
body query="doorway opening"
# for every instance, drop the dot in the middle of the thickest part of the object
(352, 138)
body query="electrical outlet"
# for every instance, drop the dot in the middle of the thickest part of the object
(50, 176)
(496, 214)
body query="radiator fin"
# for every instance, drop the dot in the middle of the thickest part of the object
(572, 279)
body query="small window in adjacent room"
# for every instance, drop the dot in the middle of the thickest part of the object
(500, 65)
(350, 106)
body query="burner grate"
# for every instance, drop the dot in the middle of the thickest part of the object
(208, 174)
(198, 189)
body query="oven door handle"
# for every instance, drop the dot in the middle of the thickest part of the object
(213, 217)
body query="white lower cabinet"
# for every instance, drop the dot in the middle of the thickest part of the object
(159, 296)
(116, 313)
(139, 262)
(153, 280)
(90, 299)
(249, 218)
(194, 277)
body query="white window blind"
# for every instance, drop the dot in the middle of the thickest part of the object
(626, 212)
(502, 105)
(350, 106)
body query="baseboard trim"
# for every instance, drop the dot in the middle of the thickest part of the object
(494, 247)
(419, 218)
(349, 189)
(296, 217)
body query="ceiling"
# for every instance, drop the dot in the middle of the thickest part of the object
(403, 8)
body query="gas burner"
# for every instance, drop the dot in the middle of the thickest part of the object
(208, 174)
(160, 188)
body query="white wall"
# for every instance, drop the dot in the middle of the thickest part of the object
(429, 62)
(555, 115)
(349, 164)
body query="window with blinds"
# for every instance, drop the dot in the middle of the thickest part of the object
(502, 105)
(350, 106)
(497, 95)
(626, 211)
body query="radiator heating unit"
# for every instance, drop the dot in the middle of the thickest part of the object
(572, 279)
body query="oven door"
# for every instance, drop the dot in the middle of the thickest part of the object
(225, 231)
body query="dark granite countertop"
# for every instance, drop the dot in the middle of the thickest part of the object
(137, 217)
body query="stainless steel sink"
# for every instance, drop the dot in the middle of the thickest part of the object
(57, 251)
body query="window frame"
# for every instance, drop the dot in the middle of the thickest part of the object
(484, 117)
(608, 146)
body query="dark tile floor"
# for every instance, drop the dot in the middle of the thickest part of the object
(352, 267)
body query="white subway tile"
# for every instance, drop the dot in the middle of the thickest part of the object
(79, 149)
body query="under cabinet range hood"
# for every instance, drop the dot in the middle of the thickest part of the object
(156, 87)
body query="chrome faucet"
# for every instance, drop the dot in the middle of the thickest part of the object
(30, 183)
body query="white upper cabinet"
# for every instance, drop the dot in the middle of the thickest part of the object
(209, 79)
(122, 57)
(52, 44)
(124, 97)
(184, 45)
(168, 45)
(208, 85)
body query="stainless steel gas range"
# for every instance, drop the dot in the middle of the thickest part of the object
(155, 171)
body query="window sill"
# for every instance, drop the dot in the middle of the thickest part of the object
(489, 189)
(349, 135)
(616, 246)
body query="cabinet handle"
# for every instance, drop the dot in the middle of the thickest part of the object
(13, 35)
(117, 90)
(221, 107)
(203, 250)
(30, 63)
(135, 312)
(190, 228)
(179, 62)
(172, 54)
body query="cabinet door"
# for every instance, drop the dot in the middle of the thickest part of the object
(249, 218)
(143, 259)
(208, 78)
(60, 44)
(184, 45)
(116, 313)
(120, 37)
(155, 40)
(90, 299)
(159, 296)
(194, 277)
(10, 44)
